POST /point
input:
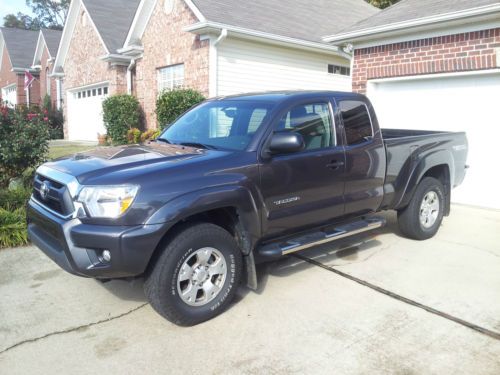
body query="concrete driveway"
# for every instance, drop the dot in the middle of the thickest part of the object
(398, 306)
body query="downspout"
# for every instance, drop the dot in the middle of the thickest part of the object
(58, 93)
(214, 59)
(131, 66)
(349, 49)
(221, 38)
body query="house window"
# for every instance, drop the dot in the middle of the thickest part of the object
(337, 69)
(171, 77)
(168, 6)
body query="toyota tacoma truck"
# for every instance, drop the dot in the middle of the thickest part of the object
(233, 182)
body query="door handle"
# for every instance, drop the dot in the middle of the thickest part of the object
(335, 164)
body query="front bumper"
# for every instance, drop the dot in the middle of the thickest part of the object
(77, 247)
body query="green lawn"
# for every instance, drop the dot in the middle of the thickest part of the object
(57, 151)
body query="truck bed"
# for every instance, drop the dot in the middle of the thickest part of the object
(405, 149)
(389, 134)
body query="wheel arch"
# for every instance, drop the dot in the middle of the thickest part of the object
(439, 165)
(231, 208)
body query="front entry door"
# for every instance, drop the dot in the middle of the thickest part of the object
(306, 188)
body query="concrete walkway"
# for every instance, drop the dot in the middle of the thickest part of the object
(303, 319)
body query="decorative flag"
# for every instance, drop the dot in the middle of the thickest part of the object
(28, 79)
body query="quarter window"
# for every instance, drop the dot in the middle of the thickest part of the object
(171, 77)
(313, 122)
(357, 123)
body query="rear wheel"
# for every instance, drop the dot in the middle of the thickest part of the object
(422, 217)
(196, 276)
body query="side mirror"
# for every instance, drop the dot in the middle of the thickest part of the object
(286, 143)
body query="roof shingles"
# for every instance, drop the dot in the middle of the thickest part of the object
(407, 10)
(21, 45)
(52, 39)
(113, 20)
(299, 19)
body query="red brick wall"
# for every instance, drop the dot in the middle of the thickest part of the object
(7, 77)
(444, 54)
(165, 43)
(83, 65)
(43, 78)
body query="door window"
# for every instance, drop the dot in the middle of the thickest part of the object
(357, 122)
(313, 122)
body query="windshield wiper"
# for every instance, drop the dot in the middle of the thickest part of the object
(197, 145)
(163, 140)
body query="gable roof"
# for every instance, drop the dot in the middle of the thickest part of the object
(20, 45)
(47, 39)
(52, 39)
(299, 19)
(407, 13)
(113, 19)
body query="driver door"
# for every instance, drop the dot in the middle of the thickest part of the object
(306, 188)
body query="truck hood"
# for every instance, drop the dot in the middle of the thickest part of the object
(106, 161)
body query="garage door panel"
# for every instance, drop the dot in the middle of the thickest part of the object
(85, 118)
(467, 103)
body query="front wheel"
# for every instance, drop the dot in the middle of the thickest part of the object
(196, 276)
(422, 217)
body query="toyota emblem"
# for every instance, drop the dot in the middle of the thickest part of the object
(44, 190)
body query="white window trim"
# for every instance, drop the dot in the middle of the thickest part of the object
(12, 88)
(170, 82)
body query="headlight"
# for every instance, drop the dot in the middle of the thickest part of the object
(107, 201)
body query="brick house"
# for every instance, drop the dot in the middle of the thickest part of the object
(43, 61)
(435, 64)
(217, 47)
(16, 56)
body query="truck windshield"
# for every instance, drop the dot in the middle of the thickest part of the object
(221, 124)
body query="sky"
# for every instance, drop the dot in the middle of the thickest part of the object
(12, 6)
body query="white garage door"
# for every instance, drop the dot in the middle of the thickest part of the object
(85, 113)
(454, 103)
(244, 66)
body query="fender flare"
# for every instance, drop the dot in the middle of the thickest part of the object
(199, 201)
(424, 164)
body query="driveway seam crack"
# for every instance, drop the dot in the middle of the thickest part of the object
(475, 327)
(73, 329)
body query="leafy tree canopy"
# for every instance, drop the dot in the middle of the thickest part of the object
(382, 3)
(50, 14)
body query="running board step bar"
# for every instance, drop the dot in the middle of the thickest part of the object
(327, 234)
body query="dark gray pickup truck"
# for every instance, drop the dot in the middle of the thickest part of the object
(235, 181)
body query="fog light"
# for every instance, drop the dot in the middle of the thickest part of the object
(106, 255)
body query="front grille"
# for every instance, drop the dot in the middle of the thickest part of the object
(57, 196)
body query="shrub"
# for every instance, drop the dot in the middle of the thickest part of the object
(172, 104)
(24, 141)
(11, 200)
(120, 113)
(55, 117)
(149, 135)
(13, 217)
(13, 228)
(134, 136)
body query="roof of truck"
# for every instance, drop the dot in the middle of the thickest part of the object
(288, 94)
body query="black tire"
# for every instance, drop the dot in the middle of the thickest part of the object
(409, 218)
(161, 284)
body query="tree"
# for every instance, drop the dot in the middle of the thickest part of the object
(50, 14)
(21, 21)
(382, 3)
